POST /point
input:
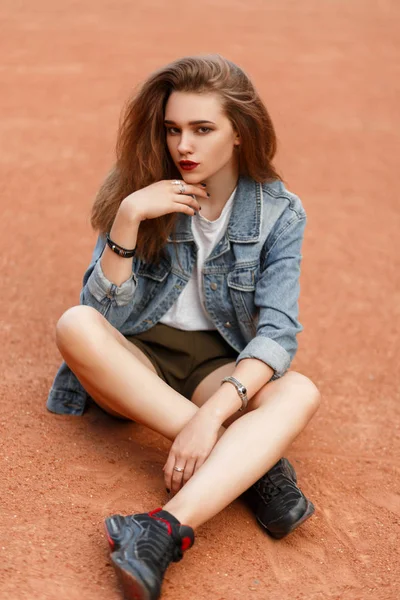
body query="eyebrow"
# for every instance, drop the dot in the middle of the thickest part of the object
(199, 122)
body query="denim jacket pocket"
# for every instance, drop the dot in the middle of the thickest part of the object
(151, 280)
(156, 272)
(242, 284)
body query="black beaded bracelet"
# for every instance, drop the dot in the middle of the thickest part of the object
(119, 249)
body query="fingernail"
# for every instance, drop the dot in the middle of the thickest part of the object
(169, 491)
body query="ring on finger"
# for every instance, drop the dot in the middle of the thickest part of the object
(176, 182)
(182, 188)
(179, 469)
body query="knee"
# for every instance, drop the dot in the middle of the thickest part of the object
(73, 324)
(305, 389)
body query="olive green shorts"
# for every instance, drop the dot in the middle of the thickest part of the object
(183, 358)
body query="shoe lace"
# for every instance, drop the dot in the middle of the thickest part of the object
(172, 553)
(266, 488)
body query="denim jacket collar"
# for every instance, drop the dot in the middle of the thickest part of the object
(245, 222)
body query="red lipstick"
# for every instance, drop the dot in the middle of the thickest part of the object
(188, 165)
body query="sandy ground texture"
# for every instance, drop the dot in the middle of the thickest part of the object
(329, 73)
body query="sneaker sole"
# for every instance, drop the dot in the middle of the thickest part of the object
(310, 509)
(131, 580)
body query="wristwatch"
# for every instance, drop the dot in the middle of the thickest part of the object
(241, 390)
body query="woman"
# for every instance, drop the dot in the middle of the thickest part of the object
(189, 316)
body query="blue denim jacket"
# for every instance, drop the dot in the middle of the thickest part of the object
(251, 284)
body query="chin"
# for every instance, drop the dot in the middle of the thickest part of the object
(192, 177)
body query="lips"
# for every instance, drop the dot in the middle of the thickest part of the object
(188, 165)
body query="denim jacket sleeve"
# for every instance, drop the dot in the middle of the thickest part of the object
(276, 297)
(67, 395)
(112, 301)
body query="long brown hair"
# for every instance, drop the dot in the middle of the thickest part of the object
(142, 154)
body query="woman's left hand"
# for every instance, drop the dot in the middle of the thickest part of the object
(190, 449)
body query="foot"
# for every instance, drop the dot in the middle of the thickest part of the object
(142, 547)
(279, 505)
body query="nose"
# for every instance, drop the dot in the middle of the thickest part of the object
(185, 144)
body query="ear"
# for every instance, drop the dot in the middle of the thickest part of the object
(237, 140)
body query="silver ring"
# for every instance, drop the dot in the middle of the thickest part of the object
(179, 469)
(176, 182)
(182, 188)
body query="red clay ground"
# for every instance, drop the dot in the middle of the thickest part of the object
(329, 72)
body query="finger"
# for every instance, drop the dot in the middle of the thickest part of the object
(177, 478)
(189, 470)
(190, 189)
(169, 465)
(186, 204)
(177, 184)
(183, 208)
(197, 190)
(189, 202)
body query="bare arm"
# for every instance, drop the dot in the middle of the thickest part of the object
(124, 233)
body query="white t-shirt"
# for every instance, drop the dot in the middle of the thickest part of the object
(188, 312)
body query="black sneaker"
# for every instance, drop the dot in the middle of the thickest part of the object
(278, 504)
(142, 546)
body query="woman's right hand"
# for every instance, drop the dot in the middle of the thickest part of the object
(164, 197)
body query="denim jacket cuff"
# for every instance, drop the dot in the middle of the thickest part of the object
(66, 402)
(270, 352)
(100, 287)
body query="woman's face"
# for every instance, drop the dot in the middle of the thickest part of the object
(198, 131)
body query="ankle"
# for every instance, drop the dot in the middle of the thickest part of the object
(164, 516)
(182, 534)
(180, 512)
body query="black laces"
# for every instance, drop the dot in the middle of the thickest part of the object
(266, 488)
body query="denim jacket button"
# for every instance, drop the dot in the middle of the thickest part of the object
(213, 286)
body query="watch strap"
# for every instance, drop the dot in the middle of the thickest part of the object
(240, 388)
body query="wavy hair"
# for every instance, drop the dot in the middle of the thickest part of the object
(142, 156)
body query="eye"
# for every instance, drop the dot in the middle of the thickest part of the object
(204, 130)
(172, 130)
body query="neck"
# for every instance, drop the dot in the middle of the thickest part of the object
(220, 187)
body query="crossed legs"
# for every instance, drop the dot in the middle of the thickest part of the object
(124, 382)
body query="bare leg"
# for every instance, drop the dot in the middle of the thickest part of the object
(105, 364)
(120, 382)
(249, 447)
